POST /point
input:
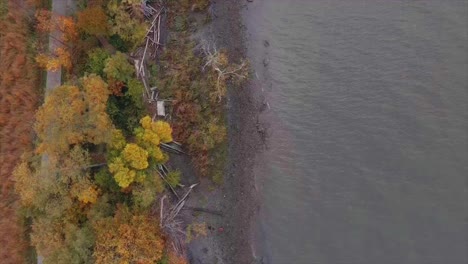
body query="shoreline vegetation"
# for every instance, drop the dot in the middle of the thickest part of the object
(94, 181)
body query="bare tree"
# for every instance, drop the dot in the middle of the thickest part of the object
(218, 62)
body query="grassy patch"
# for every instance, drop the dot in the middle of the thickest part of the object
(196, 230)
(3, 8)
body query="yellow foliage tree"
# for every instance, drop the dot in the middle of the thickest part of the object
(125, 177)
(163, 130)
(85, 192)
(122, 174)
(129, 161)
(157, 154)
(50, 184)
(64, 57)
(47, 230)
(47, 62)
(68, 35)
(99, 124)
(72, 115)
(51, 188)
(118, 140)
(89, 195)
(146, 122)
(96, 92)
(25, 183)
(60, 241)
(136, 156)
(151, 137)
(151, 134)
(59, 120)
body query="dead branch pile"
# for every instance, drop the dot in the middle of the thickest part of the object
(171, 224)
(153, 13)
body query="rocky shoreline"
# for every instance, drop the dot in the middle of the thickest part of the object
(230, 232)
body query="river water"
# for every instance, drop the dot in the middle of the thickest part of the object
(367, 160)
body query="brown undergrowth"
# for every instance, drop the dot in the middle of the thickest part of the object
(195, 75)
(18, 102)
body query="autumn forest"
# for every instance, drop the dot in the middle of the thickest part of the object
(84, 164)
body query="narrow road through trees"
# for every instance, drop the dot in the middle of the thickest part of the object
(54, 78)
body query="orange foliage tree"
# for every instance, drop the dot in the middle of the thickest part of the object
(47, 22)
(128, 238)
(18, 101)
(60, 58)
(93, 21)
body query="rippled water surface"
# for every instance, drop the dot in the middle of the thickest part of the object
(368, 155)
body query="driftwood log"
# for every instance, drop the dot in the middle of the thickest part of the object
(204, 210)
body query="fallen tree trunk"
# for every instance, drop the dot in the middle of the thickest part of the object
(204, 210)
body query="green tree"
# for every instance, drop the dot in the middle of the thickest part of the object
(135, 91)
(132, 30)
(56, 190)
(118, 68)
(144, 194)
(97, 61)
(62, 242)
(54, 181)
(173, 178)
(103, 178)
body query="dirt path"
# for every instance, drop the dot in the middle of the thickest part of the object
(54, 78)
(59, 7)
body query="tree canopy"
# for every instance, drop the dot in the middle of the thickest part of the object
(87, 187)
(130, 161)
(118, 68)
(74, 114)
(93, 20)
(127, 238)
